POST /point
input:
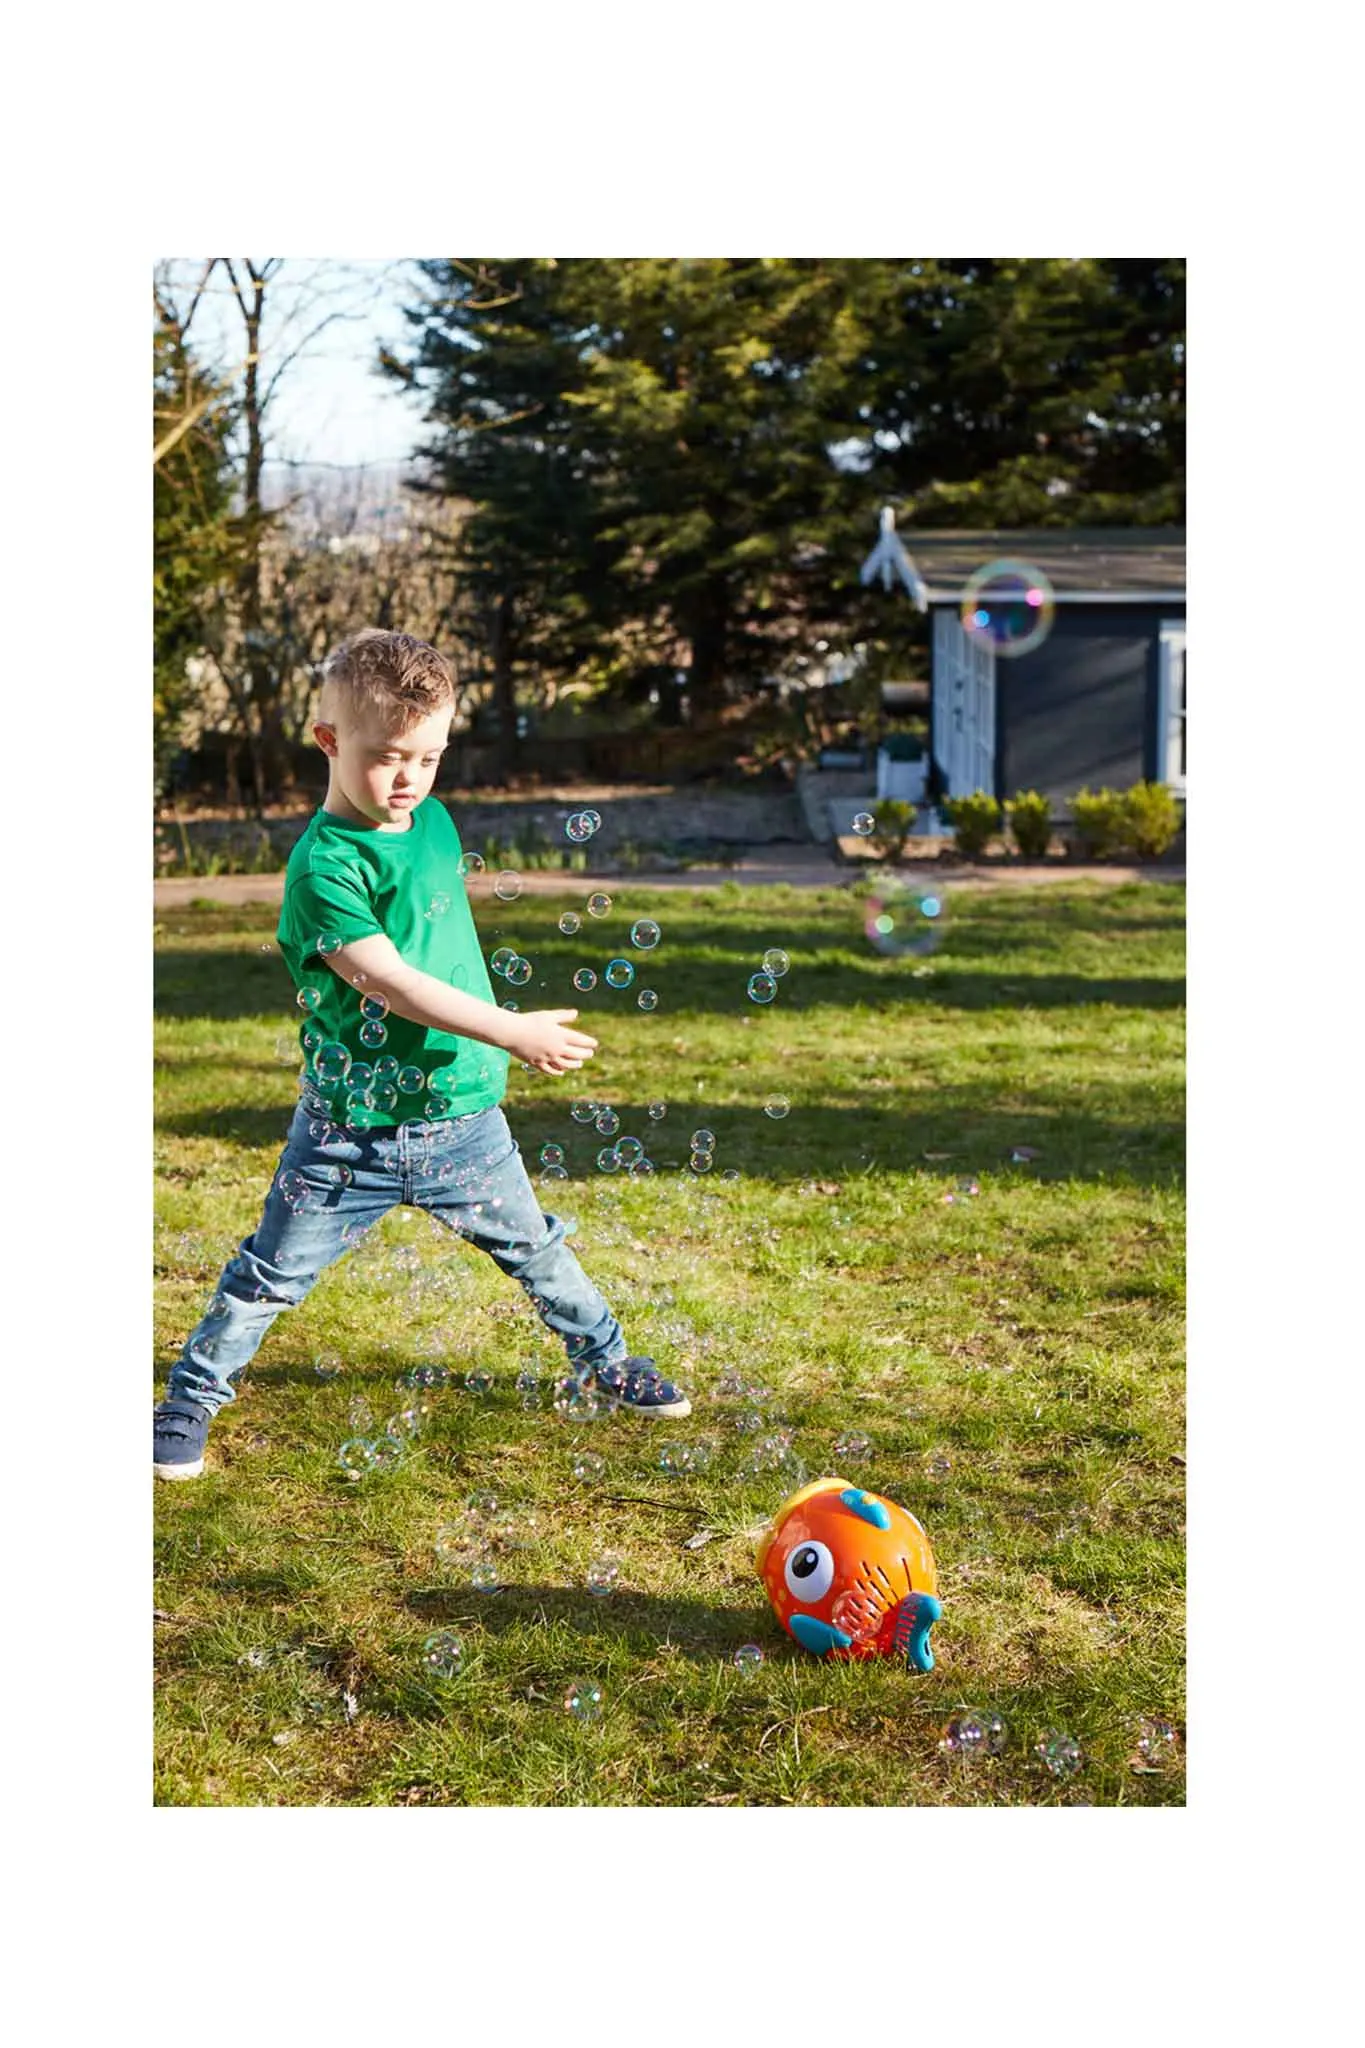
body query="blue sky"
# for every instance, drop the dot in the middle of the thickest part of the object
(330, 405)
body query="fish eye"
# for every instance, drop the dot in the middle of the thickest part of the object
(810, 1572)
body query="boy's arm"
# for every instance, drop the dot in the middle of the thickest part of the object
(542, 1038)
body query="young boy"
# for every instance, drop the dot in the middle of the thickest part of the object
(406, 1053)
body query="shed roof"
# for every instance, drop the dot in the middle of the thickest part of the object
(1112, 564)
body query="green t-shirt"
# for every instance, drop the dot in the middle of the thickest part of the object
(347, 882)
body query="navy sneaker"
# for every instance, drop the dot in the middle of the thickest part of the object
(179, 1429)
(637, 1384)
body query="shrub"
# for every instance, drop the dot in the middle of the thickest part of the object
(894, 818)
(1030, 820)
(1151, 819)
(974, 820)
(1099, 822)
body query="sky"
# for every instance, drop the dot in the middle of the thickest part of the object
(330, 405)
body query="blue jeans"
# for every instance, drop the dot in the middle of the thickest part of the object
(332, 1184)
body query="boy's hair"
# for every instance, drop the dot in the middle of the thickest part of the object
(399, 678)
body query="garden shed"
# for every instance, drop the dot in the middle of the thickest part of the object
(1100, 701)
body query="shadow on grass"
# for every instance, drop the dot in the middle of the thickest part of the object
(700, 1631)
(1119, 1143)
(212, 987)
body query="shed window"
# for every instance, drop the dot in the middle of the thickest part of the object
(1171, 706)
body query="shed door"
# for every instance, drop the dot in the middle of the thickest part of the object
(964, 707)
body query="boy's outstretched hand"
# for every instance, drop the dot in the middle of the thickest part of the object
(542, 1038)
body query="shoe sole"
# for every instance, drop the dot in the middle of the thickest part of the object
(673, 1411)
(186, 1471)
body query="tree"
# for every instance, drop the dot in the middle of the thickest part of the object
(1009, 392)
(281, 313)
(197, 542)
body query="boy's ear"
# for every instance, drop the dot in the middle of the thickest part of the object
(326, 737)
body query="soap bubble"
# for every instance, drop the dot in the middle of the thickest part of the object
(576, 1401)
(360, 1415)
(255, 1660)
(578, 827)
(451, 1543)
(388, 1451)
(438, 906)
(776, 1106)
(619, 973)
(608, 1159)
(604, 1574)
(702, 1162)
(645, 934)
(607, 1121)
(502, 959)
(569, 923)
(356, 1456)
(478, 1381)
(762, 987)
(373, 1034)
(1060, 1753)
(485, 1577)
(973, 1734)
(656, 1112)
(648, 999)
(483, 1503)
(628, 1150)
(1008, 605)
(640, 1168)
(327, 1365)
(374, 1009)
(904, 919)
(442, 1654)
(471, 863)
(703, 1141)
(327, 944)
(776, 962)
(588, 1465)
(864, 824)
(295, 1191)
(555, 1173)
(584, 979)
(1157, 1742)
(939, 1465)
(583, 1700)
(748, 1657)
(520, 972)
(309, 998)
(594, 818)
(857, 1614)
(386, 1069)
(552, 1155)
(852, 1447)
(507, 887)
(598, 905)
(411, 1080)
(583, 1110)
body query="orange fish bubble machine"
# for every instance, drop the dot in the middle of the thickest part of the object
(850, 1574)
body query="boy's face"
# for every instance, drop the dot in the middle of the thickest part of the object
(382, 774)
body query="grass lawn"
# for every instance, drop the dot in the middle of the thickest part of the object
(1014, 1359)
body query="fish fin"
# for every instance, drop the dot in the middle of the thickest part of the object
(915, 1617)
(819, 1636)
(870, 1510)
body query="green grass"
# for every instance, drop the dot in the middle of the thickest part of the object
(1030, 1336)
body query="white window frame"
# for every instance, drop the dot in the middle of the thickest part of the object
(1170, 714)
